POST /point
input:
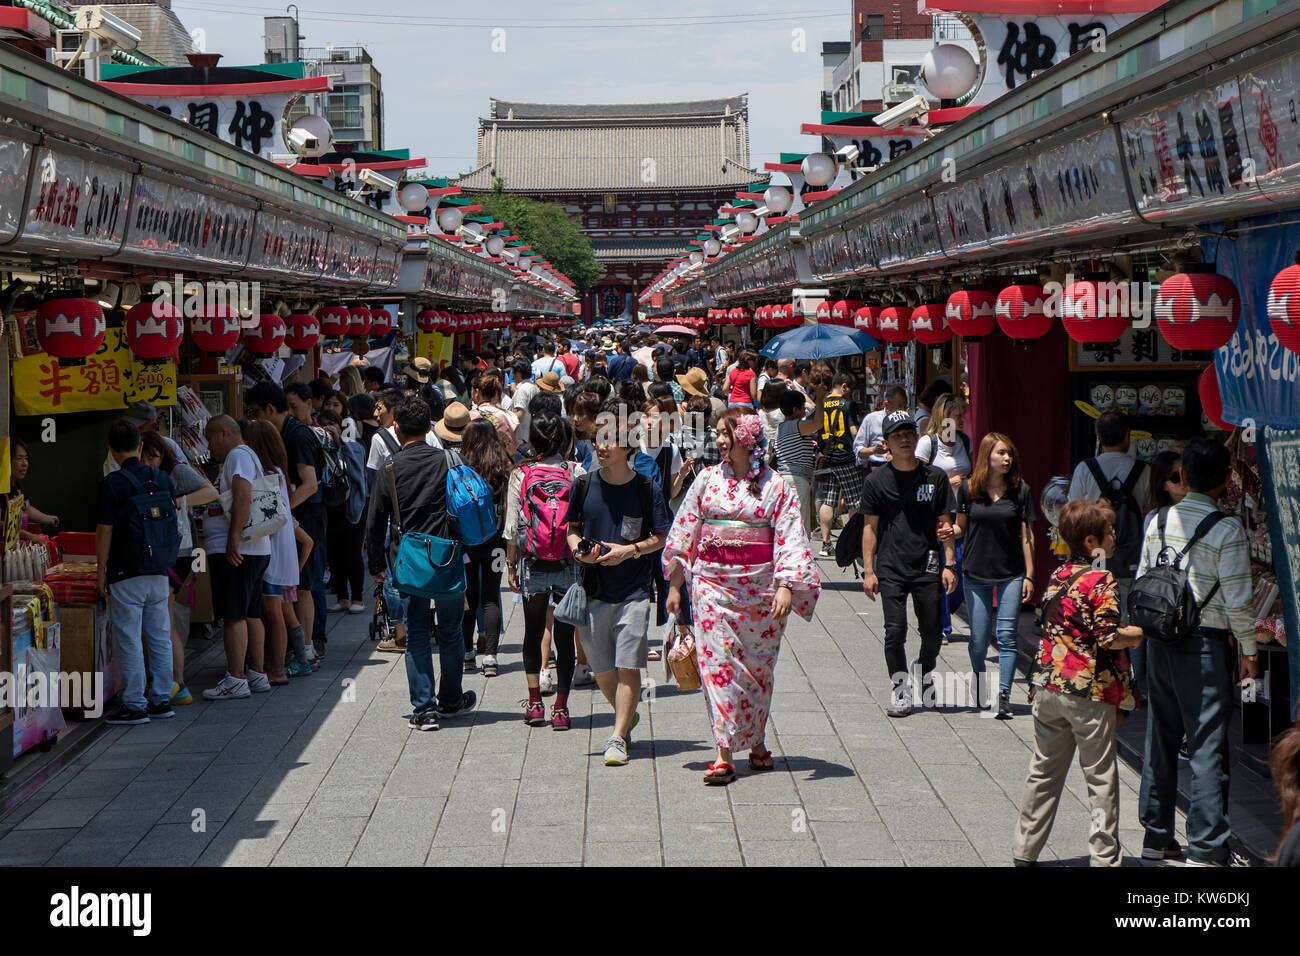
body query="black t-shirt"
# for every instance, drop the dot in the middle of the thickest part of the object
(301, 447)
(612, 513)
(908, 505)
(992, 549)
(115, 508)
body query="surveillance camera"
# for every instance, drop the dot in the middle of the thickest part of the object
(911, 108)
(848, 154)
(300, 139)
(376, 181)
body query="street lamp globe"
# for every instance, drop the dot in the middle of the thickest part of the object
(449, 219)
(697, 257)
(712, 247)
(413, 197)
(746, 222)
(777, 199)
(818, 169)
(525, 263)
(948, 71)
(494, 245)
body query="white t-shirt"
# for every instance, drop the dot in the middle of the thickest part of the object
(548, 363)
(379, 452)
(951, 458)
(1114, 464)
(283, 569)
(720, 358)
(869, 435)
(240, 463)
(524, 393)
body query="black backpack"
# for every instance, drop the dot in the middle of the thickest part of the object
(848, 549)
(155, 533)
(1128, 516)
(334, 483)
(1161, 601)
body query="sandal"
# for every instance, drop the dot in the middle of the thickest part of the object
(760, 763)
(653, 656)
(720, 774)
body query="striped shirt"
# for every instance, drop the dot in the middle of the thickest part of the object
(1223, 555)
(796, 454)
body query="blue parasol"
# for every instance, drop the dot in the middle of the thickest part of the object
(819, 342)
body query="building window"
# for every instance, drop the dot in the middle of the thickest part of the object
(874, 28)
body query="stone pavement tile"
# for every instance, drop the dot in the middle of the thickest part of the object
(107, 839)
(34, 847)
(498, 800)
(478, 828)
(886, 793)
(456, 856)
(216, 804)
(802, 723)
(287, 785)
(768, 823)
(685, 840)
(62, 812)
(126, 755)
(928, 752)
(320, 841)
(170, 844)
(93, 783)
(554, 783)
(780, 853)
(920, 823)
(786, 701)
(634, 827)
(939, 853)
(343, 802)
(773, 787)
(961, 780)
(846, 842)
(397, 836)
(622, 854)
(548, 808)
(841, 809)
(553, 844)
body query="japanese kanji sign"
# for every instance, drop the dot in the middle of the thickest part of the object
(110, 379)
(250, 122)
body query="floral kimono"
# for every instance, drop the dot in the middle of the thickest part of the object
(736, 548)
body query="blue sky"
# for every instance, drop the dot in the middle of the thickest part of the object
(439, 66)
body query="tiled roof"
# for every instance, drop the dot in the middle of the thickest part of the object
(162, 35)
(633, 249)
(609, 154)
(503, 109)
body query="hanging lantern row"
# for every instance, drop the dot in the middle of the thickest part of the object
(448, 323)
(533, 323)
(780, 316)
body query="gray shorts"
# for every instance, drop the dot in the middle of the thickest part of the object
(615, 635)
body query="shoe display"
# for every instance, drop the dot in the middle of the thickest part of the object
(230, 688)
(616, 752)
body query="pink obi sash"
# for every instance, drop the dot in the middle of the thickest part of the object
(735, 542)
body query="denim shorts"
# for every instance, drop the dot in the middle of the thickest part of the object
(540, 582)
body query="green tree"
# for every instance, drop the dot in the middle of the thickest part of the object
(546, 227)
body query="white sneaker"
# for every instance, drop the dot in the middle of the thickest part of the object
(340, 607)
(826, 552)
(310, 653)
(357, 608)
(616, 752)
(258, 682)
(230, 688)
(582, 676)
(546, 682)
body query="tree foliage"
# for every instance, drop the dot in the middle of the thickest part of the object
(552, 232)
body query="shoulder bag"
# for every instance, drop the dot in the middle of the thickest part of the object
(266, 511)
(427, 566)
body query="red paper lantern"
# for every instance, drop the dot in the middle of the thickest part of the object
(824, 312)
(1090, 312)
(301, 332)
(266, 336)
(358, 321)
(70, 329)
(894, 324)
(1197, 310)
(154, 330)
(1284, 307)
(970, 313)
(426, 320)
(216, 330)
(866, 318)
(841, 312)
(381, 323)
(1207, 386)
(930, 324)
(334, 321)
(1022, 312)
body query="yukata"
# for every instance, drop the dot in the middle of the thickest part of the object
(736, 548)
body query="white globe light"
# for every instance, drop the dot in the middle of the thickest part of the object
(413, 197)
(712, 247)
(948, 71)
(525, 263)
(777, 199)
(697, 257)
(449, 219)
(494, 245)
(746, 222)
(818, 169)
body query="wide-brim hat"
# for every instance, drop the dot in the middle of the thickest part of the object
(694, 382)
(550, 382)
(455, 418)
(418, 370)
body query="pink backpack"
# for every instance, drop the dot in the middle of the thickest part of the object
(545, 511)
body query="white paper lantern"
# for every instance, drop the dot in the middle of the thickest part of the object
(818, 170)
(777, 199)
(948, 71)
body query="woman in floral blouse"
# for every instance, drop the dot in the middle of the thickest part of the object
(739, 538)
(1081, 681)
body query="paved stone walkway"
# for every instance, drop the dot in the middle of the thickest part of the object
(324, 772)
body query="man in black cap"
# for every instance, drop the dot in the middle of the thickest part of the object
(905, 505)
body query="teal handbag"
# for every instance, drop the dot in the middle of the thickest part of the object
(426, 566)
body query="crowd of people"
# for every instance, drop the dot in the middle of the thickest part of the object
(642, 488)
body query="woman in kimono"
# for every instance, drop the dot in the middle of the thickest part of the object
(739, 538)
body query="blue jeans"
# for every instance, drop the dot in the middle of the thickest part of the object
(419, 652)
(951, 602)
(979, 608)
(138, 614)
(394, 600)
(1191, 688)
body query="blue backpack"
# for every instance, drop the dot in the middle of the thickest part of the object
(354, 463)
(155, 533)
(470, 499)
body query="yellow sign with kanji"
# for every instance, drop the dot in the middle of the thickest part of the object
(110, 379)
(436, 347)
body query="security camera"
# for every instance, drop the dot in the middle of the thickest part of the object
(107, 28)
(376, 181)
(911, 108)
(301, 140)
(847, 154)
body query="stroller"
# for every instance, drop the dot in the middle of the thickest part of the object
(381, 628)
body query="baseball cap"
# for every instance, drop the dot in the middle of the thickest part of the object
(896, 421)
